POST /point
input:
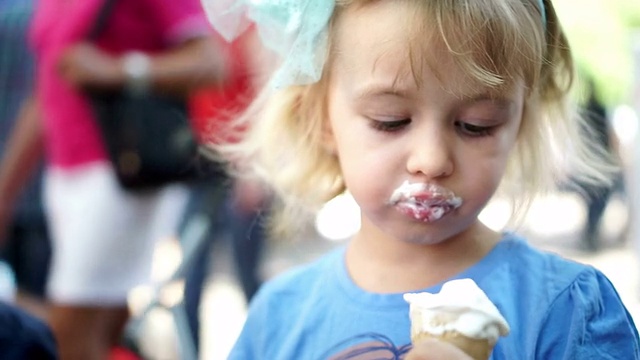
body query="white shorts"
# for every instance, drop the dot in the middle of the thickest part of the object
(103, 236)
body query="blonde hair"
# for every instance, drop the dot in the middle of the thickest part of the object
(495, 42)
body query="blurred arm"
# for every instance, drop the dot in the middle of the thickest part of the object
(20, 159)
(192, 64)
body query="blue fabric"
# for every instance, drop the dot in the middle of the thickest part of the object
(557, 309)
(543, 12)
(28, 252)
(22, 336)
(16, 80)
(28, 247)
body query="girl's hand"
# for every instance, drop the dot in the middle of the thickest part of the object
(436, 350)
(85, 66)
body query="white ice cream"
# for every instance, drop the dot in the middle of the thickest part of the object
(425, 202)
(460, 306)
(408, 190)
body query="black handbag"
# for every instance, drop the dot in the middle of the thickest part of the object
(148, 137)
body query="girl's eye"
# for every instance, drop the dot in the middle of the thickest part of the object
(473, 130)
(390, 126)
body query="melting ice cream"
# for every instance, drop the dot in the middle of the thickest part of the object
(460, 314)
(424, 202)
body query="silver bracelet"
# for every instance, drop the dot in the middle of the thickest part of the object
(137, 69)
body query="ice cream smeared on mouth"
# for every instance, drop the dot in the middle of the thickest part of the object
(424, 202)
(460, 307)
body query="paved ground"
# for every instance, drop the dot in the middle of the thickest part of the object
(548, 227)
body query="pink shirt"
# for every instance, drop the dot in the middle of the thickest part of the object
(71, 134)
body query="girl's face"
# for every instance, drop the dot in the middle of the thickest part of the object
(386, 129)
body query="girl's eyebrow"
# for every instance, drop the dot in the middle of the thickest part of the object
(378, 90)
(498, 100)
(394, 89)
(381, 90)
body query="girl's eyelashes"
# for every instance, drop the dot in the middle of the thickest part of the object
(389, 126)
(463, 128)
(472, 130)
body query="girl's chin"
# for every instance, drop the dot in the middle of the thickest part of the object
(425, 241)
(439, 232)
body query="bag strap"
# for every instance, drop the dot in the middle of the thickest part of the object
(101, 20)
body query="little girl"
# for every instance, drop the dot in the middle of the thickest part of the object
(422, 110)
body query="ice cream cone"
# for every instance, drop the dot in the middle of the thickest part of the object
(461, 314)
(478, 349)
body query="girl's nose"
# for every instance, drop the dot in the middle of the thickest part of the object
(430, 156)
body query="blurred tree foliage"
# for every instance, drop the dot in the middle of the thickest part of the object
(601, 34)
(630, 11)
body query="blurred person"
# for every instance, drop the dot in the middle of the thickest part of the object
(599, 131)
(235, 208)
(26, 244)
(422, 111)
(235, 212)
(633, 175)
(103, 236)
(633, 181)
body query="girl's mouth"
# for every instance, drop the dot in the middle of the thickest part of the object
(424, 202)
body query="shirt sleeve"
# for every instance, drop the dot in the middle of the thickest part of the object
(180, 20)
(588, 321)
(255, 331)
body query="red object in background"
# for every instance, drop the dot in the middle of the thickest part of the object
(210, 108)
(120, 353)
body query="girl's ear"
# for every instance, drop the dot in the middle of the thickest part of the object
(328, 140)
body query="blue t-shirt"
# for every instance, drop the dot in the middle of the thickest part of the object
(556, 308)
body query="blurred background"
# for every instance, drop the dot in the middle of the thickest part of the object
(605, 35)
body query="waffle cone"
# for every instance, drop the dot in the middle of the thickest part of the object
(478, 349)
